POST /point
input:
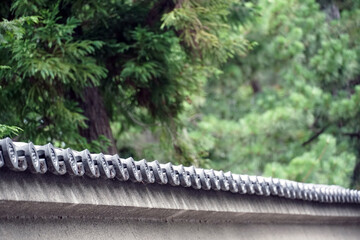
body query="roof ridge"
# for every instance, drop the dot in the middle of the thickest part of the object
(19, 156)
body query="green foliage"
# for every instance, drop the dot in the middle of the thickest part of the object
(142, 63)
(9, 131)
(323, 163)
(44, 63)
(290, 108)
(204, 25)
(256, 87)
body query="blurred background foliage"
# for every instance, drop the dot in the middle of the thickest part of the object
(266, 87)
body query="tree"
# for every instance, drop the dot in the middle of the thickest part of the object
(290, 108)
(252, 86)
(71, 68)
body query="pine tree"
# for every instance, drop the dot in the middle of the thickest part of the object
(71, 69)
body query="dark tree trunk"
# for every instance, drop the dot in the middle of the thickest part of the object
(355, 180)
(255, 85)
(331, 10)
(98, 120)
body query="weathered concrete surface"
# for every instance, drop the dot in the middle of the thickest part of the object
(90, 208)
(76, 229)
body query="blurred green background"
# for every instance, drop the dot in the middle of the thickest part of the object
(267, 87)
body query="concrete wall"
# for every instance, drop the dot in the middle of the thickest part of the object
(64, 207)
(75, 229)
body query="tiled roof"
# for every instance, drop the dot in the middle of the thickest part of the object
(18, 156)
